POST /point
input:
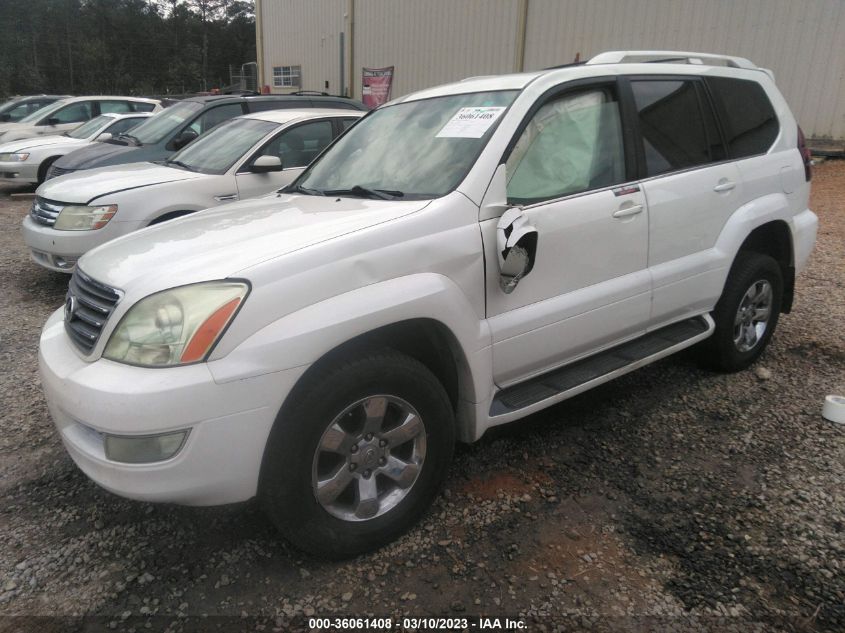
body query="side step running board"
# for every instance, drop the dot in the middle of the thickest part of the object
(565, 382)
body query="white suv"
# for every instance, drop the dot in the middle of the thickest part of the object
(461, 258)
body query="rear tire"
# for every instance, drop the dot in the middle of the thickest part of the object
(747, 313)
(358, 456)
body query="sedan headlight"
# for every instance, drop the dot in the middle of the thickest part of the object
(15, 157)
(176, 326)
(81, 218)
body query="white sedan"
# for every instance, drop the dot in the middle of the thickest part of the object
(26, 161)
(242, 158)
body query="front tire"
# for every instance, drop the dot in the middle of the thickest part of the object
(747, 313)
(358, 456)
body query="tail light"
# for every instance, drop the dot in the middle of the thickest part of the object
(805, 155)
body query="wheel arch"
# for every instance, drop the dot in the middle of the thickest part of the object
(774, 239)
(45, 165)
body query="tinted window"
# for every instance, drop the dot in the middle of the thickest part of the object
(287, 104)
(123, 125)
(73, 113)
(673, 127)
(300, 145)
(141, 106)
(748, 118)
(208, 119)
(571, 144)
(120, 107)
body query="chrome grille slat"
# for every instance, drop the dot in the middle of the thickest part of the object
(45, 211)
(88, 306)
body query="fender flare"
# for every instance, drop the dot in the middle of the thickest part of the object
(301, 338)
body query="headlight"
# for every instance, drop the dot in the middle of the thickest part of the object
(79, 218)
(13, 158)
(177, 326)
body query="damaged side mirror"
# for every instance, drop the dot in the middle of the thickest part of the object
(517, 248)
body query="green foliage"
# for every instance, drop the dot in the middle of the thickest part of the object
(122, 46)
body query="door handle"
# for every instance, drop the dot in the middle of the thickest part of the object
(225, 197)
(724, 186)
(628, 211)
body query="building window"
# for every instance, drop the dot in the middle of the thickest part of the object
(287, 76)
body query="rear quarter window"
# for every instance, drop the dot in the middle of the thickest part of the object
(749, 122)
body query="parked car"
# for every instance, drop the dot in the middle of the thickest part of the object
(66, 114)
(181, 123)
(250, 155)
(27, 160)
(17, 108)
(463, 257)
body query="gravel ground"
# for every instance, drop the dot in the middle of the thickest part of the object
(671, 499)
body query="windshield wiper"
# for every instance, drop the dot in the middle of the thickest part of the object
(134, 139)
(363, 192)
(301, 189)
(179, 163)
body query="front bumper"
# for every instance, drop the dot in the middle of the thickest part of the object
(59, 250)
(19, 173)
(229, 423)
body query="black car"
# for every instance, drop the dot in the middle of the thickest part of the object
(16, 108)
(172, 129)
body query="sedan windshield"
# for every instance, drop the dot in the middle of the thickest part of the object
(48, 109)
(418, 149)
(217, 150)
(165, 122)
(92, 127)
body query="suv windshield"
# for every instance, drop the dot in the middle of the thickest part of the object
(162, 124)
(219, 149)
(418, 149)
(87, 129)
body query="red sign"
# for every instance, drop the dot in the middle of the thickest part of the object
(375, 86)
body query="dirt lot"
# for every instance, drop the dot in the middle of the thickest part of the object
(671, 499)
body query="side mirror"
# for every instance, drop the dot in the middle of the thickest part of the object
(5, 117)
(53, 121)
(184, 138)
(265, 164)
(105, 136)
(517, 248)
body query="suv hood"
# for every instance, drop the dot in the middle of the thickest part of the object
(40, 141)
(101, 154)
(85, 186)
(218, 243)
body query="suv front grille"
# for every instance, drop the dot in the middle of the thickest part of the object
(45, 211)
(88, 306)
(55, 172)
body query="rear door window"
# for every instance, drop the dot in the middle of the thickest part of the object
(677, 126)
(107, 107)
(748, 118)
(142, 106)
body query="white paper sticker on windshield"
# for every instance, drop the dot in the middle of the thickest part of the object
(470, 122)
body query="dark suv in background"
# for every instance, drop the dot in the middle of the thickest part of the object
(178, 125)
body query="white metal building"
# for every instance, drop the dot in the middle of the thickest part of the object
(323, 44)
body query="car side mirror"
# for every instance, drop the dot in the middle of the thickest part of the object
(105, 136)
(53, 121)
(265, 164)
(516, 242)
(5, 117)
(184, 138)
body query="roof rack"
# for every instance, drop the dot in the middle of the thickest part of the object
(672, 57)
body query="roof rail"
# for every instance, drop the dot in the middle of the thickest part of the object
(678, 57)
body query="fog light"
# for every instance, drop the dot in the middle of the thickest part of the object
(144, 449)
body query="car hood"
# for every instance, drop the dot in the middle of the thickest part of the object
(101, 154)
(17, 130)
(83, 187)
(40, 141)
(221, 242)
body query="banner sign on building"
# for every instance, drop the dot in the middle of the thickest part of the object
(375, 86)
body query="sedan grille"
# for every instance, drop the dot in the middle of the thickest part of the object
(88, 306)
(55, 172)
(45, 211)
